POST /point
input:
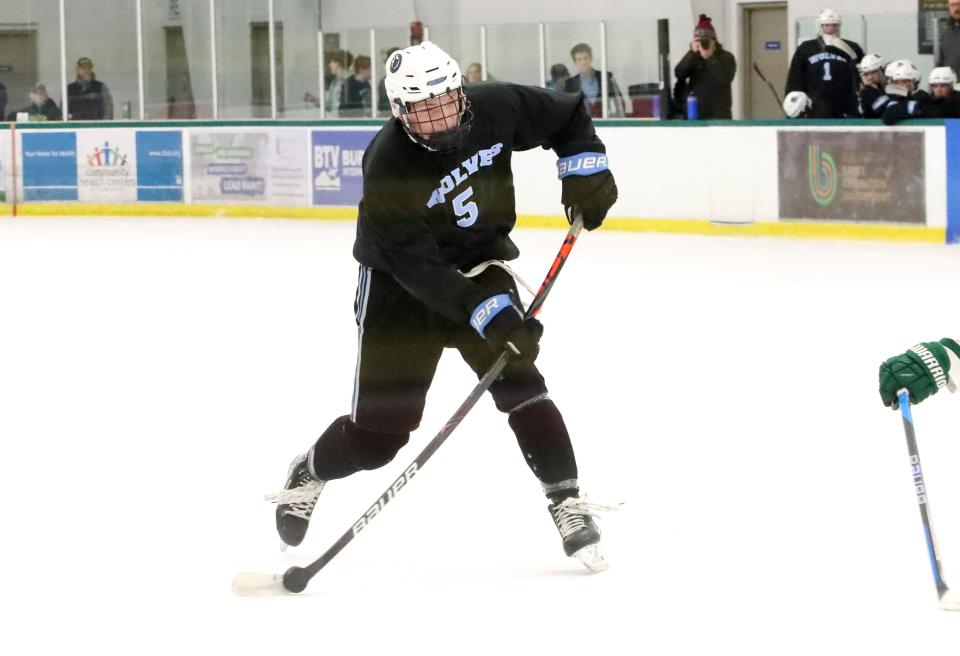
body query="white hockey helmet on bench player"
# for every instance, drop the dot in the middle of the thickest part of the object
(796, 104)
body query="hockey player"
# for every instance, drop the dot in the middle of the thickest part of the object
(944, 100)
(902, 98)
(432, 234)
(797, 104)
(872, 82)
(824, 69)
(923, 370)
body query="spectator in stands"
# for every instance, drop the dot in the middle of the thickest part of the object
(707, 71)
(872, 83)
(40, 105)
(824, 68)
(88, 99)
(357, 94)
(473, 74)
(587, 81)
(558, 77)
(337, 63)
(948, 53)
(3, 99)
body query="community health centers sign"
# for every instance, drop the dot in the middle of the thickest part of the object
(102, 166)
(875, 176)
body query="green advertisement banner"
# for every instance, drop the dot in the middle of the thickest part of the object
(852, 176)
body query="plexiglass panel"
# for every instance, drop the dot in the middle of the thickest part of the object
(349, 91)
(30, 55)
(632, 62)
(576, 46)
(298, 58)
(101, 38)
(177, 60)
(243, 59)
(513, 53)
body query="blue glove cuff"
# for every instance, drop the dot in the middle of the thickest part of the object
(486, 311)
(581, 164)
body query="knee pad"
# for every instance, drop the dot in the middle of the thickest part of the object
(345, 448)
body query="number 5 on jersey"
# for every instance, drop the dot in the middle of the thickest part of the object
(467, 212)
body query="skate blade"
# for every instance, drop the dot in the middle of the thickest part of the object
(592, 558)
(256, 584)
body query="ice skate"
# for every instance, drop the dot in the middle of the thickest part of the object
(574, 518)
(296, 502)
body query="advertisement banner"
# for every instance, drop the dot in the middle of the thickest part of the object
(160, 166)
(249, 167)
(106, 166)
(6, 172)
(337, 156)
(49, 165)
(852, 176)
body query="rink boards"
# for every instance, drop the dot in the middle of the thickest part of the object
(853, 179)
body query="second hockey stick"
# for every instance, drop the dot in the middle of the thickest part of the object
(296, 578)
(947, 600)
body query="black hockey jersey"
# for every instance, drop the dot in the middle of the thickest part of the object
(426, 216)
(872, 101)
(828, 75)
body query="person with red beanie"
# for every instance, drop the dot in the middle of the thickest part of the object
(707, 71)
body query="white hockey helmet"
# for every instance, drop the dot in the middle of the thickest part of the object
(943, 75)
(871, 63)
(424, 72)
(828, 17)
(902, 69)
(796, 103)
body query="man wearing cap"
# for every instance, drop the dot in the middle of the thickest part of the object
(40, 105)
(825, 68)
(706, 71)
(88, 99)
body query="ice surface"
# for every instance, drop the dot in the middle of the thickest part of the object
(156, 377)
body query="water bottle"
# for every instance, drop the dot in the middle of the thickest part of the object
(692, 113)
(125, 108)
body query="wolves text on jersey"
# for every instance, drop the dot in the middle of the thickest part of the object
(469, 166)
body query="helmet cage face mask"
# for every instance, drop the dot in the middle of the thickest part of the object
(438, 123)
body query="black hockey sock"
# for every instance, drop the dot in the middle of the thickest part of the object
(546, 446)
(345, 448)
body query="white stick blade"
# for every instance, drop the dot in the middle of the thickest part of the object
(256, 584)
(950, 601)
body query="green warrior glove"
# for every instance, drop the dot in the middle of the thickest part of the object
(922, 371)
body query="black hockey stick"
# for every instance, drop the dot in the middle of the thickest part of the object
(769, 84)
(296, 578)
(943, 592)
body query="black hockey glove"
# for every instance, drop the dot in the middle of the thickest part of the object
(898, 110)
(594, 194)
(588, 186)
(508, 331)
